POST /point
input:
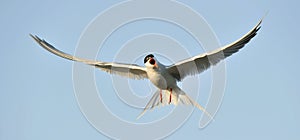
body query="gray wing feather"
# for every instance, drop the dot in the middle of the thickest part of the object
(128, 70)
(200, 63)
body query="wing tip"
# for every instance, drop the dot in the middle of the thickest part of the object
(31, 35)
(258, 26)
(36, 38)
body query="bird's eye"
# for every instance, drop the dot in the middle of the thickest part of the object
(152, 61)
(148, 57)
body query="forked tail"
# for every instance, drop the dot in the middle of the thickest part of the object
(178, 97)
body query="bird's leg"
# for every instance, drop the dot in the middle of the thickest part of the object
(170, 99)
(160, 95)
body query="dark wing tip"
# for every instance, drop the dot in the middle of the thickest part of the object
(31, 35)
(51, 48)
(36, 38)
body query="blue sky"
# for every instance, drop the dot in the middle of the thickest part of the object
(261, 99)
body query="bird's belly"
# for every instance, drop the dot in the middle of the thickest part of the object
(160, 81)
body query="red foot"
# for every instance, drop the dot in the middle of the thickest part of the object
(160, 95)
(170, 99)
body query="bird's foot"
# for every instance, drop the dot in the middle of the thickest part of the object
(170, 99)
(160, 95)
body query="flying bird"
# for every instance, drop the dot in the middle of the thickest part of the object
(164, 77)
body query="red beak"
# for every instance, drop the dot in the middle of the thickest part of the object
(155, 65)
(153, 62)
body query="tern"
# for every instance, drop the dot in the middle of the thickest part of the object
(164, 77)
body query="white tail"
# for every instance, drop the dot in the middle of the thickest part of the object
(178, 97)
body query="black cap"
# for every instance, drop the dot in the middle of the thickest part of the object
(148, 57)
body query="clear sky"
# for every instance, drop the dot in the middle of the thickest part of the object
(37, 99)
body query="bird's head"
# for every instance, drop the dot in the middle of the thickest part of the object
(150, 61)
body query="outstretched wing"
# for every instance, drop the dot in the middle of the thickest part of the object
(127, 70)
(200, 63)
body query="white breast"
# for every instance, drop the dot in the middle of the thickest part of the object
(157, 79)
(161, 79)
